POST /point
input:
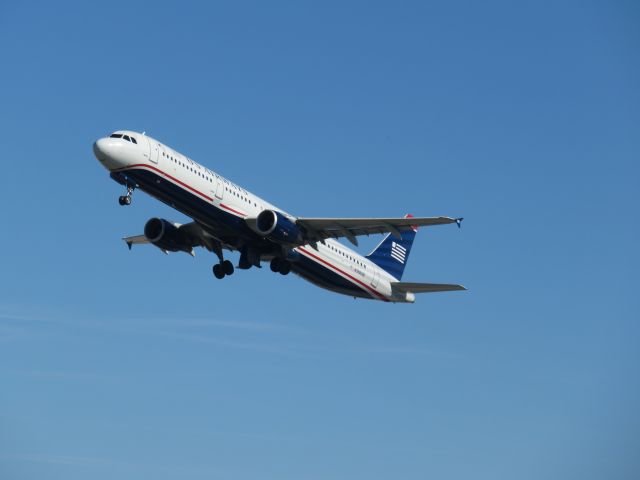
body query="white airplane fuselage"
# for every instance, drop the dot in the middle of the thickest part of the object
(224, 208)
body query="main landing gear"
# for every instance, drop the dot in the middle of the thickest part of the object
(222, 269)
(126, 199)
(280, 265)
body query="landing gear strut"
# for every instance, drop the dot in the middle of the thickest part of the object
(220, 270)
(126, 199)
(280, 265)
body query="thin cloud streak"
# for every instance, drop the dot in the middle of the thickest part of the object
(296, 351)
(70, 460)
(146, 326)
(230, 324)
(162, 321)
(102, 463)
(195, 330)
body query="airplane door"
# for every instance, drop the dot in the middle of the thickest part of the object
(375, 277)
(154, 149)
(219, 189)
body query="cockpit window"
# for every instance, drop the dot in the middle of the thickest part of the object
(124, 137)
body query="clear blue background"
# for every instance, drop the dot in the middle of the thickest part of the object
(522, 117)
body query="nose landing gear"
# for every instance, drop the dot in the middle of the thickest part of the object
(126, 199)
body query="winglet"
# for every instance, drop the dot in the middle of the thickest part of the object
(413, 227)
(459, 221)
(129, 244)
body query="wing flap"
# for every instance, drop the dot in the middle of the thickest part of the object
(135, 240)
(196, 236)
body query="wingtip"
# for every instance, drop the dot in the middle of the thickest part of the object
(459, 221)
(413, 227)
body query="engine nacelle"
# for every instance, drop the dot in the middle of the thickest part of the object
(276, 227)
(165, 235)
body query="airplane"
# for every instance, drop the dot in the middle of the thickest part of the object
(228, 217)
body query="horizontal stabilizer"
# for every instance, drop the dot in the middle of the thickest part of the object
(425, 287)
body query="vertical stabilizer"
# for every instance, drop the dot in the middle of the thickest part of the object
(392, 253)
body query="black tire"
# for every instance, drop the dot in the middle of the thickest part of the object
(127, 200)
(218, 272)
(227, 267)
(285, 268)
(276, 264)
(121, 200)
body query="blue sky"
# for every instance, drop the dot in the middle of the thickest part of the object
(521, 117)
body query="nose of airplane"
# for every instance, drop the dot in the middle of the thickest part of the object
(100, 149)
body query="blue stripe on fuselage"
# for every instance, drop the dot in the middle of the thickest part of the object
(324, 277)
(190, 204)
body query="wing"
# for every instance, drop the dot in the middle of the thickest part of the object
(135, 240)
(318, 229)
(193, 235)
(425, 287)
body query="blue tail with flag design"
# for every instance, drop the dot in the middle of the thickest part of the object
(392, 254)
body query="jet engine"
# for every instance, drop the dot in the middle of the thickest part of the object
(166, 236)
(276, 227)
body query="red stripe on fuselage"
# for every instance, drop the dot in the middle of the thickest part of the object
(232, 210)
(352, 278)
(151, 167)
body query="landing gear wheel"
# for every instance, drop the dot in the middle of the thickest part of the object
(276, 264)
(126, 199)
(218, 272)
(227, 267)
(285, 268)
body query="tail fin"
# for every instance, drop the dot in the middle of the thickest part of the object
(392, 254)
